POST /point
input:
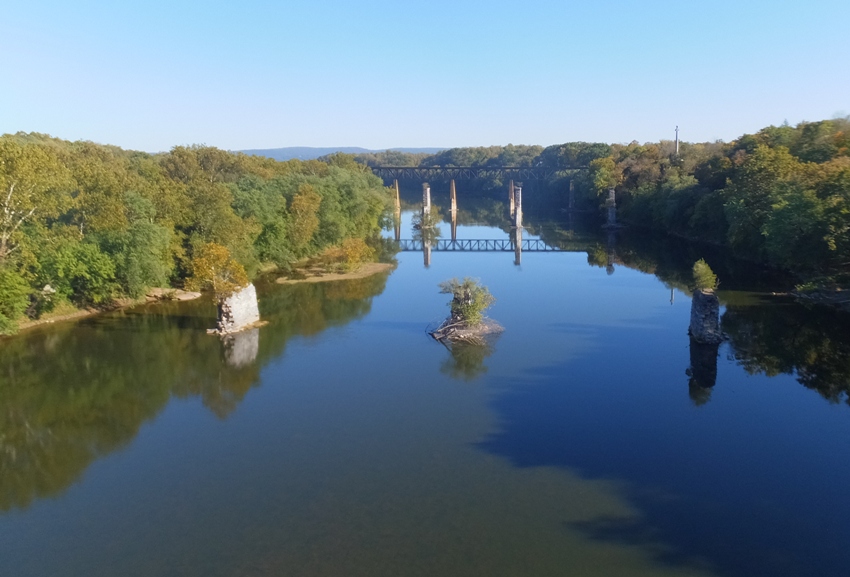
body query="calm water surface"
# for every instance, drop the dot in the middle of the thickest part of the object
(341, 440)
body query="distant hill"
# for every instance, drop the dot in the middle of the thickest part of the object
(310, 153)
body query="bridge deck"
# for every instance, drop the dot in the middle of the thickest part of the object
(467, 172)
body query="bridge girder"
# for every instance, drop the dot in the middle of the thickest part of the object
(476, 245)
(424, 173)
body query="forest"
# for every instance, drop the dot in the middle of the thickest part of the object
(780, 197)
(85, 225)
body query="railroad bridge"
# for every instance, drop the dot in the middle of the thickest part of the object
(425, 173)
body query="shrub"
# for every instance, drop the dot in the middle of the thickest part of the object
(704, 277)
(469, 299)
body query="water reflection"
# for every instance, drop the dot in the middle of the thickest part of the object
(702, 370)
(810, 342)
(240, 349)
(72, 393)
(466, 361)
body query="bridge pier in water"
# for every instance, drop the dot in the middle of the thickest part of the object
(511, 197)
(426, 199)
(517, 213)
(516, 239)
(397, 219)
(454, 210)
(611, 203)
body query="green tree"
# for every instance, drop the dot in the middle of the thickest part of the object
(704, 277)
(78, 271)
(33, 185)
(469, 299)
(604, 174)
(752, 193)
(14, 298)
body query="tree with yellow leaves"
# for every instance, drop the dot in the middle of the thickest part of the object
(213, 268)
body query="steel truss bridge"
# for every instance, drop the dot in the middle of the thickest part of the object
(424, 173)
(476, 245)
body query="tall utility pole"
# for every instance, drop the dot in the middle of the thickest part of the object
(677, 141)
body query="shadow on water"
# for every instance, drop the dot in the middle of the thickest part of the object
(738, 493)
(72, 393)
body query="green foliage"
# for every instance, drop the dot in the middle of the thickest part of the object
(704, 277)
(604, 174)
(14, 297)
(344, 258)
(469, 299)
(32, 178)
(97, 222)
(79, 272)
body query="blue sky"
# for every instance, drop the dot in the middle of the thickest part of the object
(375, 73)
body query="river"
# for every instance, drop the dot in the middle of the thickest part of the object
(340, 439)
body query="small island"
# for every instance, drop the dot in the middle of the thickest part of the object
(466, 322)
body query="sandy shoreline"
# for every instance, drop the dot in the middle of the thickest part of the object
(153, 295)
(317, 275)
(166, 294)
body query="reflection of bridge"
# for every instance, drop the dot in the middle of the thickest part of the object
(476, 245)
(466, 172)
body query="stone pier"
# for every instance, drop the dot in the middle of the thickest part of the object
(611, 203)
(397, 216)
(238, 311)
(705, 317)
(518, 205)
(426, 199)
(517, 238)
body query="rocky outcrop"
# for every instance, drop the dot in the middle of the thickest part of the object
(238, 311)
(705, 317)
(456, 330)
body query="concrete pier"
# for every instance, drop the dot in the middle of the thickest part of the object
(611, 203)
(705, 317)
(397, 216)
(518, 205)
(426, 199)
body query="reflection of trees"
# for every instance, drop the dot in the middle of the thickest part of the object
(73, 393)
(425, 226)
(812, 342)
(467, 360)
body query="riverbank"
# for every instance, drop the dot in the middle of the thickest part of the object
(320, 274)
(69, 313)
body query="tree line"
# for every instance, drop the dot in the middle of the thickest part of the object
(83, 224)
(780, 196)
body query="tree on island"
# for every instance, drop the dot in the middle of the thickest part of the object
(466, 322)
(704, 277)
(705, 306)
